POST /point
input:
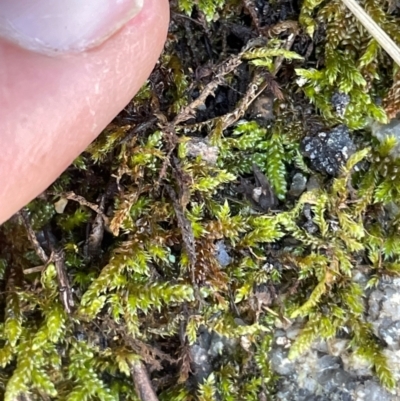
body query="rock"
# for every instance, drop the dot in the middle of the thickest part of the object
(321, 346)
(393, 358)
(334, 379)
(371, 391)
(60, 205)
(328, 362)
(310, 227)
(360, 277)
(357, 365)
(384, 312)
(293, 331)
(201, 147)
(330, 370)
(208, 352)
(337, 346)
(201, 365)
(262, 110)
(340, 101)
(329, 151)
(280, 362)
(389, 331)
(313, 184)
(217, 345)
(392, 210)
(298, 185)
(221, 254)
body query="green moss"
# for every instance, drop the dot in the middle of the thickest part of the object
(144, 295)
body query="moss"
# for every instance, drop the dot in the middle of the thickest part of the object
(155, 280)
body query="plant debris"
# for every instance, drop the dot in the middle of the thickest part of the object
(233, 234)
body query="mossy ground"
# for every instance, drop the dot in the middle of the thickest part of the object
(117, 262)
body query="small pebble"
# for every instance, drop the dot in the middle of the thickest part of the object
(299, 183)
(329, 151)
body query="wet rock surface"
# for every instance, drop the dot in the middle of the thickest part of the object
(330, 371)
(328, 151)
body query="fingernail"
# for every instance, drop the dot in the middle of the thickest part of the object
(63, 26)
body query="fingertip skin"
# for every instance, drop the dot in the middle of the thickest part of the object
(52, 108)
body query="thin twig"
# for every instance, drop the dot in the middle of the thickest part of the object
(142, 382)
(63, 281)
(82, 201)
(172, 141)
(227, 67)
(257, 85)
(36, 269)
(32, 237)
(139, 128)
(188, 239)
(176, 15)
(251, 8)
(255, 89)
(93, 242)
(288, 45)
(374, 29)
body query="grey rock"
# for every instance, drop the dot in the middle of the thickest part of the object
(329, 151)
(340, 101)
(280, 333)
(333, 379)
(222, 254)
(289, 390)
(330, 370)
(310, 227)
(374, 304)
(201, 364)
(201, 147)
(313, 184)
(298, 185)
(384, 312)
(355, 364)
(280, 362)
(337, 346)
(328, 362)
(360, 277)
(321, 346)
(208, 352)
(372, 391)
(293, 331)
(220, 344)
(389, 331)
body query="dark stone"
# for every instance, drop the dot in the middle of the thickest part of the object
(329, 151)
(310, 227)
